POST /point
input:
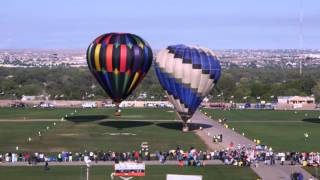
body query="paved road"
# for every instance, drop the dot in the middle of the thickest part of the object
(214, 128)
(103, 163)
(280, 172)
(266, 172)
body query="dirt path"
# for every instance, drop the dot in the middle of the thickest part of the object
(280, 172)
(214, 129)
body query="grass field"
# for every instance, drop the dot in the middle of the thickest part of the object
(98, 129)
(315, 171)
(96, 113)
(282, 130)
(92, 130)
(100, 173)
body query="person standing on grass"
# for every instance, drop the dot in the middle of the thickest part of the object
(40, 135)
(46, 165)
(59, 157)
(70, 157)
(136, 155)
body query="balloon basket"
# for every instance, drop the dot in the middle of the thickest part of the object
(117, 114)
(185, 128)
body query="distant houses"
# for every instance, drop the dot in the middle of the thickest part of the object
(296, 102)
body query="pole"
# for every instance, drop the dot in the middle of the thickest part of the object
(81, 173)
(300, 34)
(87, 172)
(88, 169)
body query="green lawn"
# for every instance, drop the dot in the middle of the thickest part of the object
(282, 130)
(262, 115)
(315, 171)
(90, 129)
(106, 113)
(100, 173)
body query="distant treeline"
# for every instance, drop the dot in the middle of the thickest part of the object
(237, 84)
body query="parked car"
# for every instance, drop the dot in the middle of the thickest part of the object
(170, 106)
(247, 105)
(108, 105)
(45, 105)
(150, 105)
(260, 106)
(17, 105)
(89, 105)
(217, 105)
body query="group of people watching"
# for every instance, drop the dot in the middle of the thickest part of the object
(238, 155)
(36, 157)
(246, 156)
(190, 157)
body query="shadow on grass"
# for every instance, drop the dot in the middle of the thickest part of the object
(178, 126)
(312, 120)
(125, 124)
(89, 118)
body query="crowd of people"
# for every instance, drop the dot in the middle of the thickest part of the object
(36, 157)
(192, 156)
(238, 155)
(247, 156)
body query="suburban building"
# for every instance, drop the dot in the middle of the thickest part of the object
(296, 102)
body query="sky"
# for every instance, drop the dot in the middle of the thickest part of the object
(216, 24)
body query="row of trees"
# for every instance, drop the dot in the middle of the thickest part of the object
(268, 83)
(237, 84)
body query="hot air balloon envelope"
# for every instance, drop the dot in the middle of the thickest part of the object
(187, 74)
(119, 61)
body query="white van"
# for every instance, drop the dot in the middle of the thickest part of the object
(89, 105)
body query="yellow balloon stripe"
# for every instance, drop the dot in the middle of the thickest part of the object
(116, 79)
(97, 57)
(135, 78)
(139, 42)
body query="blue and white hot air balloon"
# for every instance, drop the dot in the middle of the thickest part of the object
(187, 74)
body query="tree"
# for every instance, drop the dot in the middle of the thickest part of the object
(259, 89)
(73, 83)
(316, 91)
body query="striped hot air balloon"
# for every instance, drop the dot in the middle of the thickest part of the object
(187, 74)
(119, 61)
